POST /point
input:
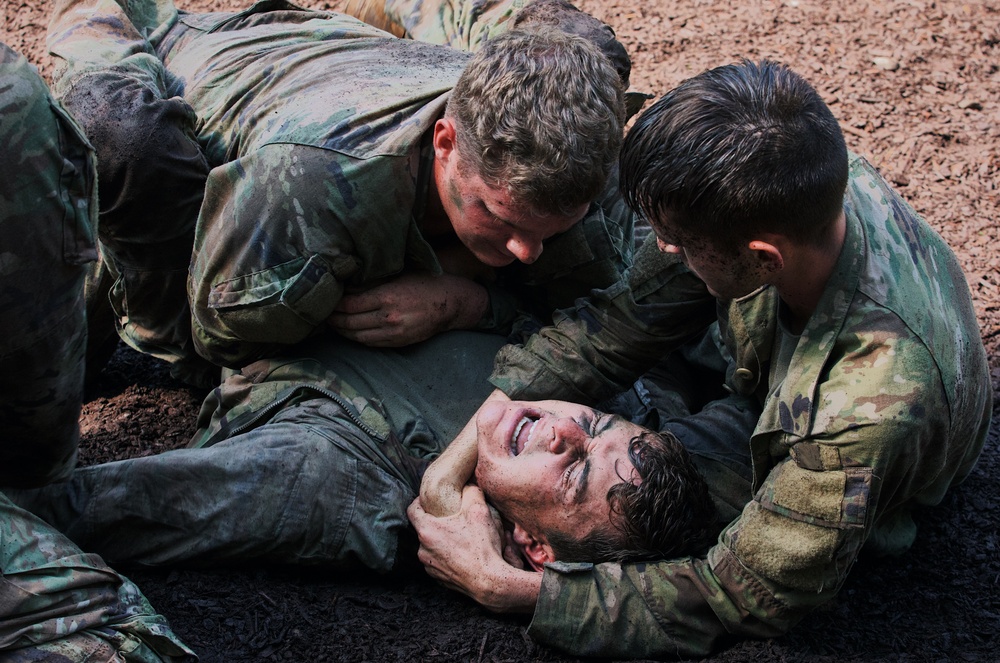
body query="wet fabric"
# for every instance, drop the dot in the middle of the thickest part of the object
(885, 404)
(314, 128)
(57, 603)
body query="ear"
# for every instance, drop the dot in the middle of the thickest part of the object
(768, 255)
(534, 550)
(445, 138)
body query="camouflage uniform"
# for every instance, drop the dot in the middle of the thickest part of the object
(880, 406)
(56, 603)
(46, 228)
(274, 96)
(312, 458)
(468, 25)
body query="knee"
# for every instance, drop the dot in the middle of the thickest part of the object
(148, 156)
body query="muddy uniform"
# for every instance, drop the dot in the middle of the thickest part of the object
(316, 128)
(56, 603)
(467, 25)
(312, 458)
(879, 406)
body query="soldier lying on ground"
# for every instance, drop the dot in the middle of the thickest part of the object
(314, 457)
(56, 602)
(305, 156)
(847, 318)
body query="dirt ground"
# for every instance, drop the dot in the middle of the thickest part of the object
(915, 85)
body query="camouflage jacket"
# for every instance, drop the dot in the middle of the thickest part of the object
(317, 128)
(886, 403)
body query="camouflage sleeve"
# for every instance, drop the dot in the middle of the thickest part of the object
(680, 608)
(610, 338)
(457, 23)
(52, 594)
(790, 550)
(302, 239)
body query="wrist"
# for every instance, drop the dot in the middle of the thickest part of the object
(510, 590)
(473, 306)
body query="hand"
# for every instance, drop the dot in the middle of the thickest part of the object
(445, 479)
(464, 552)
(409, 309)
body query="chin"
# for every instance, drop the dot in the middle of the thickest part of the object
(495, 260)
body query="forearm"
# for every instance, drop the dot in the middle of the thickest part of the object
(684, 608)
(606, 341)
(441, 486)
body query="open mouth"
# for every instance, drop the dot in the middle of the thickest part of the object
(522, 433)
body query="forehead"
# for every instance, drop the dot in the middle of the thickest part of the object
(609, 462)
(501, 203)
(668, 231)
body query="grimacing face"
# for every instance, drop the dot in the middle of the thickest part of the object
(548, 465)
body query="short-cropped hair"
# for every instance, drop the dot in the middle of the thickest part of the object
(737, 150)
(540, 113)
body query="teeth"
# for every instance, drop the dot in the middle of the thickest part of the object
(517, 431)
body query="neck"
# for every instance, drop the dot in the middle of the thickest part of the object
(806, 273)
(435, 222)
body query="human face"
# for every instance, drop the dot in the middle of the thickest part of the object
(487, 219)
(728, 273)
(548, 465)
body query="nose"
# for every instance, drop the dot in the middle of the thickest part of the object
(525, 249)
(667, 248)
(567, 435)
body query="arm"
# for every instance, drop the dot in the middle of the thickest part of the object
(276, 246)
(852, 482)
(463, 551)
(463, 542)
(411, 308)
(607, 340)
(443, 482)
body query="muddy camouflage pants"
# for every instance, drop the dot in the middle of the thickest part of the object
(151, 181)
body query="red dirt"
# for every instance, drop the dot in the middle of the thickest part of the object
(931, 125)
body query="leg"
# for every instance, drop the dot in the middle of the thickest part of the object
(308, 487)
(151, 171)
(467, 25)
(59, 604)
(46, 238)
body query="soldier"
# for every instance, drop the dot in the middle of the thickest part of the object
(308, 157)
(845, 315)
(313, 458)
(56, 602)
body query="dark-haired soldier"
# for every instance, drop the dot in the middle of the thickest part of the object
(846, 316)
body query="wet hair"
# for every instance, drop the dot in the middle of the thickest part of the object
(540, 113)
(667, 514)
(568, 18)
(737, 150)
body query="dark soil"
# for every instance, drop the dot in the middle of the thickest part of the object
(915, 85)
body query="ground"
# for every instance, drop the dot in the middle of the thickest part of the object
(915, 85)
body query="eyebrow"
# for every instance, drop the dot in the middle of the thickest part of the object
(496, 216)
(581, 490)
